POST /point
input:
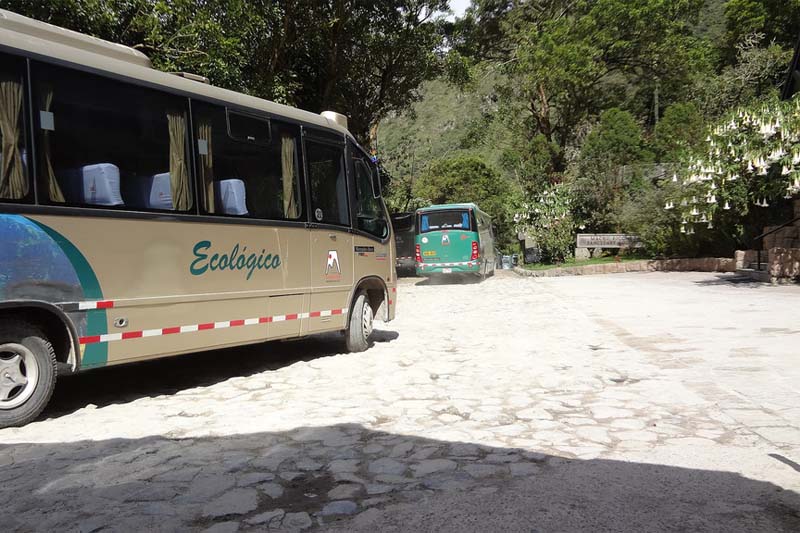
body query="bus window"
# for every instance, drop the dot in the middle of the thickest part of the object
(13, 158)
(441, 220)
(370, 215)
(326, 174)
(106, 143)
(247, 166)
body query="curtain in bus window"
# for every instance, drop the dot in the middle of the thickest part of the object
(207, 164)
(465, 220)
(290, 205)
(179, 174)
(54, 189)
(13, 184)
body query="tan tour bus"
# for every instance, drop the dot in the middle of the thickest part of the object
(145, 214)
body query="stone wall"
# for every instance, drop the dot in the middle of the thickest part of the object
(784, 263)
(702, 264)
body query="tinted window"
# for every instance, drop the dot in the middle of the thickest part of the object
(370, 215)
(440, 220)
(248, 128)
(106, 143)
(326, 173)
(243, 178)
(13, 157)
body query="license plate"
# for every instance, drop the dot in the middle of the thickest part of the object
(447, 271)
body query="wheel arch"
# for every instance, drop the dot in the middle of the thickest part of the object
(377, 294)
(55, 324)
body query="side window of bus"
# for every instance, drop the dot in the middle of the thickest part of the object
(326, 174)
(369, 209)
(247, 165)
(107, 143)
(14, 183)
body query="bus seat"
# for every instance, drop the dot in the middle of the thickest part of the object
(231, 195)
(150, 192)
(96, 184)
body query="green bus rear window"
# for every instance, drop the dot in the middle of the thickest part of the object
(444, 220)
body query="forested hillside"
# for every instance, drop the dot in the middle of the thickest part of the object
(582, 109)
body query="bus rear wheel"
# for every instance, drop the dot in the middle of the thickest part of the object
(359, 327)
(27, 372)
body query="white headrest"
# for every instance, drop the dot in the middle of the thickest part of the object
(96, 184)
(231, 197)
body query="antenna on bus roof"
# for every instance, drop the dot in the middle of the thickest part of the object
(338, 118)
(17, 23)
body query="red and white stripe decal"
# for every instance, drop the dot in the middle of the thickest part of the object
(102, 304)
(191, 328)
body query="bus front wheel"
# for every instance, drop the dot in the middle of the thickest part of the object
(359, 324)
(27, 372)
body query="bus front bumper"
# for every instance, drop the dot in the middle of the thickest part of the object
(464, 267)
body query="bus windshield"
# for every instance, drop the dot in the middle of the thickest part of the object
(444, 220)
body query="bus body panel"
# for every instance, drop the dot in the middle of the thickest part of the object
(137, 289)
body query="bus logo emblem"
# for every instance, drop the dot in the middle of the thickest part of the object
(333, 271)
(445, 240)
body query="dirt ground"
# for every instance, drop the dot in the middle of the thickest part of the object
(631, 402)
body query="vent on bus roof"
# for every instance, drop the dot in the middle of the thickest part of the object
(47, 32)
(193, 77)
(338, 118)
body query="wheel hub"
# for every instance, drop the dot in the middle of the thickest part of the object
(366, 321)
(20, 375)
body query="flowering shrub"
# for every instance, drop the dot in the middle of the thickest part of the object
(548, 218)
(752, 159)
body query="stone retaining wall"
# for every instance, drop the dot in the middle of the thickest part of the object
(784, 263)
(702, 264)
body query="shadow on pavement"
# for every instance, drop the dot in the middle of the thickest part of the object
(128, 382)
(389, 482)
(733, 280)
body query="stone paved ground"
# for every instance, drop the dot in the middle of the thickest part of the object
(641, 402)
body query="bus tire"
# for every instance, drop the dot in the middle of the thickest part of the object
(27, 372)
(359, 326)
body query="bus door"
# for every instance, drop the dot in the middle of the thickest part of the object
(331, 241)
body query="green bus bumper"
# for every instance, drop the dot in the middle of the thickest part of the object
(432, 269)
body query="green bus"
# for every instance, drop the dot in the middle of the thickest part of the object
(453, 239)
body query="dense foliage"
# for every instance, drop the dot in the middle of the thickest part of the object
(612, 98)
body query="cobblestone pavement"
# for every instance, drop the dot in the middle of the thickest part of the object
(642, 402)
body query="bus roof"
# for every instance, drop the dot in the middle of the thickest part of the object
(441, 207)
(48, 41)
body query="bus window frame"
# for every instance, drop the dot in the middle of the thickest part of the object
(230, 110)
(269, 118)
(42, 200)
(340, 142)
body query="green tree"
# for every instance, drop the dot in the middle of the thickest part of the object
(588, 56)
(777, 20)
(612, 164)
(680, 130)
